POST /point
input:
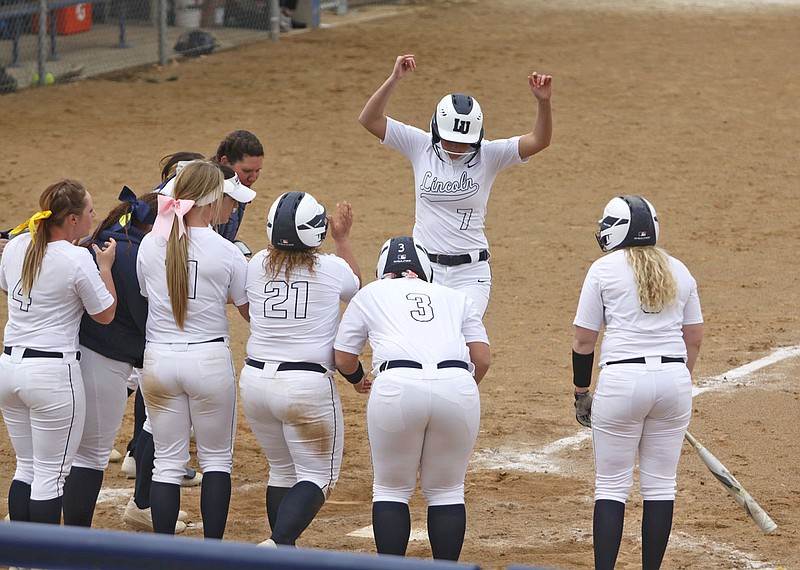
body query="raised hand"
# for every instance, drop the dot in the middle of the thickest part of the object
(340, 224)
(541, 86)
(402, 65)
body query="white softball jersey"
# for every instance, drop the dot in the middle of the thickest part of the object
(638, 408)
(296, 321)
(410, 319)
(217, 272)
(42, 399)
(48, 318)
(419, 420)
(451, 198)
(188, 380)
(609, 297)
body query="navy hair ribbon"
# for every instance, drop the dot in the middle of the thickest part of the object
(143, 213)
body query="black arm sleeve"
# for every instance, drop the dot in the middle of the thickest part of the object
(582, 369)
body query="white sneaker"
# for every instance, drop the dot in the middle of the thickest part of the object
(142, 519)
(192, 478)
(128, 466)
(269, 543)
(115, 456)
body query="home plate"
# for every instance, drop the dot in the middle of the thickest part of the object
(366, 532)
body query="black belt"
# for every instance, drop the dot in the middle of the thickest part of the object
(443, 259)
(286, 366)
(412, 364)
(33, 353)
(641, 360)
(219, 339)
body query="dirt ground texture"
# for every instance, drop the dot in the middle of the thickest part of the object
(694, 108)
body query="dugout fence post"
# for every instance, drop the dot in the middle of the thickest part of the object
(274, 20)
(161, 24)
(42, 42)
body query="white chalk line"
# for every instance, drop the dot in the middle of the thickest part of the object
(543, 460)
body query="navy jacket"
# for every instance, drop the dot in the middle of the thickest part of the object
(123, 338)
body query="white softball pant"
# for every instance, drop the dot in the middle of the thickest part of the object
(472, 279)
(425, 425)
(296, 416)
(644, 408)
(104, 381)
(43, 407)
(184, 386)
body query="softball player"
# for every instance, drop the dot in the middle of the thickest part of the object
(242, 151)
(454, 169)
(49, 282)
(188, 272)
(649, 305)
(108, 355)
(430, 350)
(287, 387)
(234, 194)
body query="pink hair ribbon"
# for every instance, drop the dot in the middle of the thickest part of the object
(168, 210)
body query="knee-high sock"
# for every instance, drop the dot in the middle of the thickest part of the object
(80, 495)
(48, 511)
(165, 499)
(274, 496)
(447, 525)
(145, 453)
(656, 527)
(215, 499)
(609, 517)
(19, 501)
(298, 508)
(391, 525)
(139, 415)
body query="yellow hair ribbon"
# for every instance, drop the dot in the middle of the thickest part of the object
(30, 223)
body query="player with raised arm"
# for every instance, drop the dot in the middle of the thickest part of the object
(454, 170)
(288, 391)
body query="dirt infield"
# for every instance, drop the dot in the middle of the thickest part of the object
(694, 108)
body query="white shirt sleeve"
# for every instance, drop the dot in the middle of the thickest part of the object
(472, 328)
(3, 282)
(408, 140)
(692, 313)
(238, 285)
(590, 314)
(502, 153)
(93, 292)
(352, 334)
(350, 284)
(140, 270)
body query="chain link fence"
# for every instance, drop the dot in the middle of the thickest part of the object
(48, 41)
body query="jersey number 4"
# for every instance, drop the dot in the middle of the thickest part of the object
(23, 299)
(283, 297)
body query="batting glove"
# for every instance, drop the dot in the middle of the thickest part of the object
(583, 408)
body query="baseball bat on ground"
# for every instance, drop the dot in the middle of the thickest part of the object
(733, 487)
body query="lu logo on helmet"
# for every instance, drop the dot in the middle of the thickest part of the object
(460, 126)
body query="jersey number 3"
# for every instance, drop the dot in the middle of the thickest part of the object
(424, 310)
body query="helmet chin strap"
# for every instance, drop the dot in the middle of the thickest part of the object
(447, 156)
